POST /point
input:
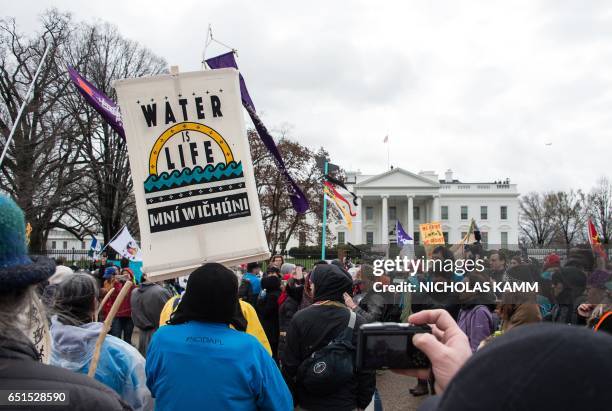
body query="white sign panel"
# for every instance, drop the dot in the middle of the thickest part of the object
(192, 171)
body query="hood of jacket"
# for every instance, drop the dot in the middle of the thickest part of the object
(74, 343)
(295, 290)
(271, 283)
(330, 283)
(144, 287)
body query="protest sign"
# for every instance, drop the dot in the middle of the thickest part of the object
(431, 233)
(192, 170)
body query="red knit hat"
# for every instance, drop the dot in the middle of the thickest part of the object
(552, 260)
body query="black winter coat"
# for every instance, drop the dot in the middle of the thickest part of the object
(20, 370)
(285, 313)
(267, 310)
(371, 307)
(311, 329)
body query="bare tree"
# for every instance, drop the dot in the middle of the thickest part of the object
(536, 219)
(567, 215)
(600, 208)
(41, 170)
(108, 186)
(281, 221)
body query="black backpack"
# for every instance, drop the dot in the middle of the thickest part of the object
(245, 292)
(331, 367)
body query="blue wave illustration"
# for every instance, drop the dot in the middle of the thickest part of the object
(197, 175)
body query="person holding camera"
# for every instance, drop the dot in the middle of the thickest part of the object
(319, 358)
(513, 371)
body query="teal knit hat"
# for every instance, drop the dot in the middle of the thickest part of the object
(17, 269)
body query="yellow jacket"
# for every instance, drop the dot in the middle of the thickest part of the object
(253, 325)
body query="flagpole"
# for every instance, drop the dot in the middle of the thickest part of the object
(25, 101)
(323, 235)
(206, 44)
(111, 240)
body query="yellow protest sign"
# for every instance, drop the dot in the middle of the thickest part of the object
(431, 233)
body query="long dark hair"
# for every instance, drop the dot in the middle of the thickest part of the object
(74, 299)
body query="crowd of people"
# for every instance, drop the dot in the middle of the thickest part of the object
(254, 339)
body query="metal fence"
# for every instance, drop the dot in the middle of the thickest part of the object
(78, 258)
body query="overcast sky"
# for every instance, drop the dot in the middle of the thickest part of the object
(476, 86)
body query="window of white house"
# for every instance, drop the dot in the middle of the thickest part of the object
(503, 212)
(65, 245)
(417, 237)
(53, 245)
(416, 213)
(484, 212)
(392, 213)
(341, 238)
(370, 237)
(369, 213)
(484, 237)
(463, 234)
(302, 239)
(464, 212)
(83, 245)
(444, 212)
(445, 234)
(504, 239)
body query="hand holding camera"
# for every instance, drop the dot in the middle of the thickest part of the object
(447, 347)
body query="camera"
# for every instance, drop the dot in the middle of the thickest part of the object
(389, 345)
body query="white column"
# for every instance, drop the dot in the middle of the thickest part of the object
(358, 222)
(436, 208)
(410, 215)
(384, 226)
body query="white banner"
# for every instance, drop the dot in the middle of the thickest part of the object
(124, 244)
(192, 170)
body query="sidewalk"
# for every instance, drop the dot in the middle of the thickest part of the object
(393, 389)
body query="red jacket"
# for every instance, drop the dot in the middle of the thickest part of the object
(125, 309)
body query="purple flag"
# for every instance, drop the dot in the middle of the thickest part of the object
(298, 199)
(402, 237)
(99, 101)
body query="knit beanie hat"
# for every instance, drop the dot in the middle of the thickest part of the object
(211, 296)
(287, 268)
(17, 269)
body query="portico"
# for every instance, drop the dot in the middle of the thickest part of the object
(395, 195)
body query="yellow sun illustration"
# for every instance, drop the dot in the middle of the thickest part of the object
(187, 126)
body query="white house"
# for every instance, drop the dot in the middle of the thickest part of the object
(63, 242)
(414, 199)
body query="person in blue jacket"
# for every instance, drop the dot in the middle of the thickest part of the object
(199, 362)
(74, 334)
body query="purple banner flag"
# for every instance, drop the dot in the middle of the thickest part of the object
(297, 197)
(99, 101)
(402, 237)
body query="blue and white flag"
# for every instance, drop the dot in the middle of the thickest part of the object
(95, 248)
(402, 237)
